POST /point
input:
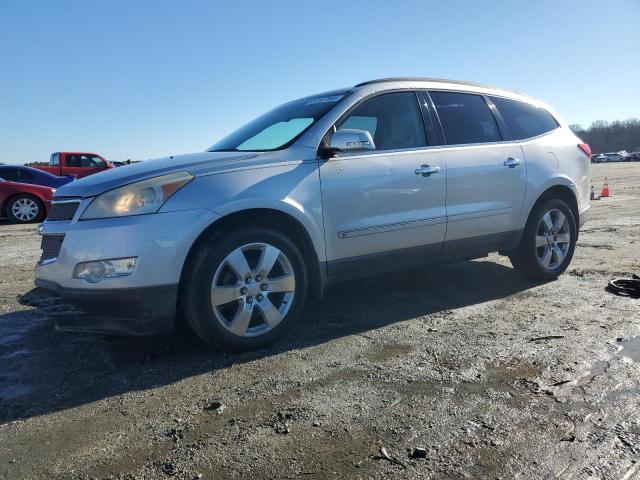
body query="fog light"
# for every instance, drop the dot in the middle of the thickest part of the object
(97, 270)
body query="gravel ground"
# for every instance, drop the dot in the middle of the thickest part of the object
(483, 372)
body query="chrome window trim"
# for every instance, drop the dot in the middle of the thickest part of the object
(345, 156)
(382, 153)
(502, 142)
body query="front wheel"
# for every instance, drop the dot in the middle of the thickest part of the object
(548, 242)
(243, 289)
(25, 209)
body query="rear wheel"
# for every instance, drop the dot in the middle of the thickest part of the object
(244, 289)
(548, 241)
(25, 209)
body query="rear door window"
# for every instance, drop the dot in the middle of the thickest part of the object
(394, 121)
(465, 118)
(10, 174)
(25, 175)
(524, 120)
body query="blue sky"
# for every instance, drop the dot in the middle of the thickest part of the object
(143, 79)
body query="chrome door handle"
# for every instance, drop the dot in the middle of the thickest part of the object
(426, 170)
(512, 162)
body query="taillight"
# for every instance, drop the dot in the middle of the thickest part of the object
(586, 149)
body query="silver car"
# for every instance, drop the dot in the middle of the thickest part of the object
(388, 174)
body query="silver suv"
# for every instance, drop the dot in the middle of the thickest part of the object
(388, 174)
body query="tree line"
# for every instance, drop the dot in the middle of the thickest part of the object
(603, 136)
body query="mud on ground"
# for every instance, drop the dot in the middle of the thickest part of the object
(492, 375)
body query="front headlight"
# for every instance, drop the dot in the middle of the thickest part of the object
(137, 198)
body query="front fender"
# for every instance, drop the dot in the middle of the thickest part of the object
(292, 188)
(288, 206)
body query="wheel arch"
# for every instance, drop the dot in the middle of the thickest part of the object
(273, 218)
(7, 201)
(563, 192)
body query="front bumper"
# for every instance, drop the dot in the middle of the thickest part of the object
(143, 302)
(137, 311)
(160, 241)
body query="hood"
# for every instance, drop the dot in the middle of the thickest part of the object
(194, 163)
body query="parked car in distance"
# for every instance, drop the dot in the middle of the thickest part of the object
(385, 175)
(615, 157)
(24, 203)
(78, 164)
(602, 158)
(634, 156)
(32, 176)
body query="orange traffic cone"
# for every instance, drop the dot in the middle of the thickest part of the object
(605, 188)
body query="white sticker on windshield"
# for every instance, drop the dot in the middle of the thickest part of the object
(330, 98)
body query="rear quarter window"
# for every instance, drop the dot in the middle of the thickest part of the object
(524, 120)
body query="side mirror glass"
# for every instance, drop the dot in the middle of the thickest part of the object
(351, 140)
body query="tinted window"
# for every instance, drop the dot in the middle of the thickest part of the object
(524, 120)
(10, 174)
(25, 175)
(92, 161)
(394, 121)
(74, 161)
(465, 118)
(85, 161)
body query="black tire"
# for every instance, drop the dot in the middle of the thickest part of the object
(525, 258)
(23, 196)
(199, 274)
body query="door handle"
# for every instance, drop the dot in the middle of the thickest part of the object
(426, 170)
(512, 162)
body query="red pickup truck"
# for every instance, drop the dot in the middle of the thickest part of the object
(79, 164)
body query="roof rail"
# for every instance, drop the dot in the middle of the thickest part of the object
(441, 80)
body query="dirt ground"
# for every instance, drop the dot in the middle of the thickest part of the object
(492, 375)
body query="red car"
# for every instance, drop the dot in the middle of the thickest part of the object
(77, 164)
(24, 203)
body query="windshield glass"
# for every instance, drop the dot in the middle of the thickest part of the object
(281, 126)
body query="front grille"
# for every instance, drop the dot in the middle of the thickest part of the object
(50, 245)
(63, 211)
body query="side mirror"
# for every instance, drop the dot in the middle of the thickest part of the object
(351, 140)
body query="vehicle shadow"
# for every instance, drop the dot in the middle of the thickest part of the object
(44, 371)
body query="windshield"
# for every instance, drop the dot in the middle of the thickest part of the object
(281, 126)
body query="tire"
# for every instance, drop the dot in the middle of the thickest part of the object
(543, 254)
(25, 208)
(215, 274)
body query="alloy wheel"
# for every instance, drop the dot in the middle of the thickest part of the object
(553, 239)
(253, 289)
